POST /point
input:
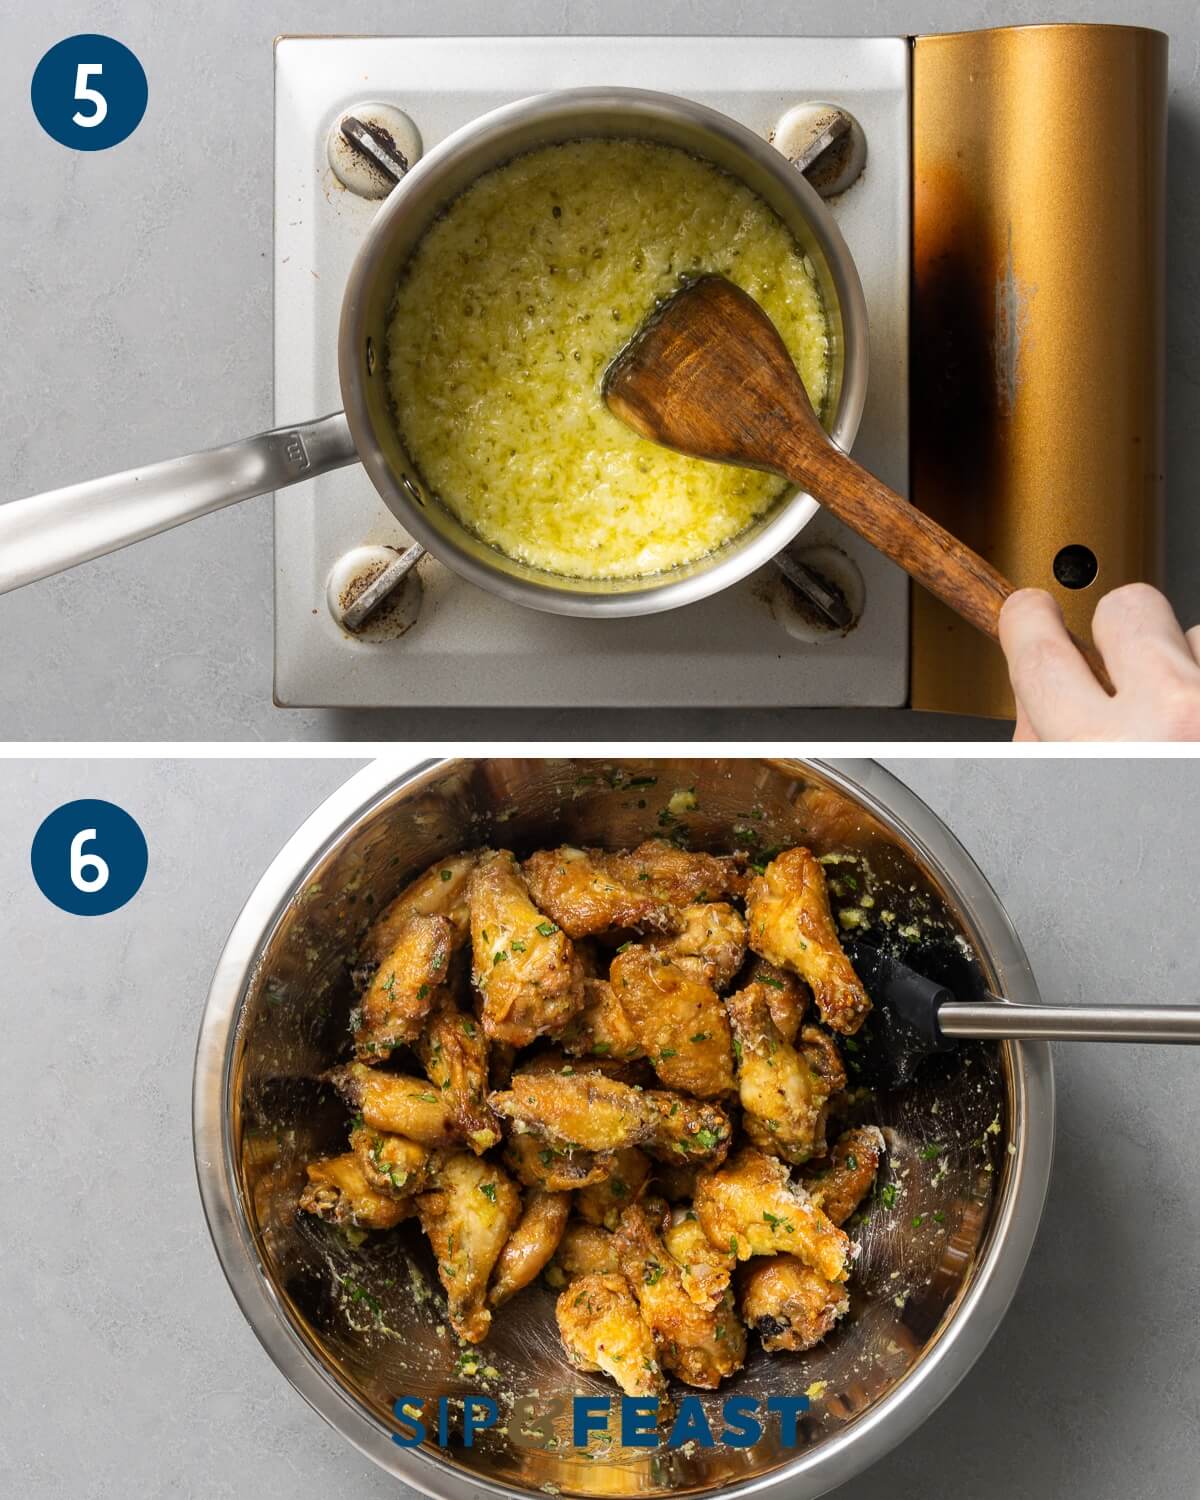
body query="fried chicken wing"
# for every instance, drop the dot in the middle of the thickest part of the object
(788, 1304)
(391, 1163)
(791, 926)
(339, 1192)
(712, 942)
(601, 1029)
(678, 1020)
(705, 1268)
(440, 892)
(602, 1328)
(605, 1202)
(530, 1246)
(751, 1206)
(678, 875)
(402, 989)
(785, 1090)
(701, 1346)
(584, 1250)
(468, 1217)
(838, 1186)
(787, 995)
(524, 966)
(400, 1105)
(576, 889)
(554, 1169)
(589, 1112)
(454, 1053)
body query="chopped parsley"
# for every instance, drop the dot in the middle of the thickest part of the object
(547, 929)
(488, 1189)
(447, 874)
(887, 1195)
(702, 1036)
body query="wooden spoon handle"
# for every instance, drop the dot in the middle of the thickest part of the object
(926, 551)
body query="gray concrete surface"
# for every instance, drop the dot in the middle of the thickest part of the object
(136, 324)
(127, 1370)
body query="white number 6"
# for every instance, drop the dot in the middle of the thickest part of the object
(82, 863)
(92, 96)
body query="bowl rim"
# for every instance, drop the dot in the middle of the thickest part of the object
(916, 1395)
(730, 563)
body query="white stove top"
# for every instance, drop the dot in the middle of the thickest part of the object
(744, 647)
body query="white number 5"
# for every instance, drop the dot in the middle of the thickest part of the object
(82, 864)
(99, 110)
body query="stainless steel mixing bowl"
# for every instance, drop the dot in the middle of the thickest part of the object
(970, 1141)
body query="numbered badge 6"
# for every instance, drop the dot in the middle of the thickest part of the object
(89, 92)
(89, 857)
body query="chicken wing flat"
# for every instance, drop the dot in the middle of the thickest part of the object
(601, 1029)
(677, 875)
(524, 966)
(400, 1105)
(838, 1186)
(554, 1169)
(711, 943)
(788, 1304)
(785, 1090)
(339, 1192)
(454, 1053)
(530, 1246)
(602, 1328)
(468, 1217)
(787, 996)
(705, 1268)
(678, 1020)
(391, 1163)
(575, 889)
(751, 1206)
(400, 993)
(701, 1346)
(604, 1202)
(440, 892)
(585, 1250)
(791, 926)
(589, 1112)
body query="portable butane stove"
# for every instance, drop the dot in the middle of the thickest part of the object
(1002, 195)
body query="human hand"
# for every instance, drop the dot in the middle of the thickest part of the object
(1154, 666)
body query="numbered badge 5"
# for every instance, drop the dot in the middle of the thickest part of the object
(89, 857)
(89, 92)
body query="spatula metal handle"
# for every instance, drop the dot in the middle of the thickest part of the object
(1002, 1020)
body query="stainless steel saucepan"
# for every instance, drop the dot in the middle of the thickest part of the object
(44, 534)
(969, 1140)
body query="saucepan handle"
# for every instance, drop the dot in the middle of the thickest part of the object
(45, 534)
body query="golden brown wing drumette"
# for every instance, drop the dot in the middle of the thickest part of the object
(402, 989)
(524, 966)
(574, 889)
(712, 942)
(791, 926)
(440, 892)
(391, 1163)
(678, 1020)
(787, 995)
(702, 1346)
(601, 1029)
(554, 1169)
(788, 1304)
(751, 1206)
(468, 1217)
(677, 875)
(838, 1186)
(405, 1106)
(602, 1328)
(454, 1053)
(785, 1090)
(705, 1268)
(590, 1112)
(605, 1202)
(339, 1192)
(531, 1244)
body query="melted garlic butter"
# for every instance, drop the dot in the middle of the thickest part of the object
(513, 305)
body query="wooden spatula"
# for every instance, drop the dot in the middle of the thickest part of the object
(709, 375)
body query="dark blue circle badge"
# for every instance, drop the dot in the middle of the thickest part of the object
(89, 857)
(89, 92)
